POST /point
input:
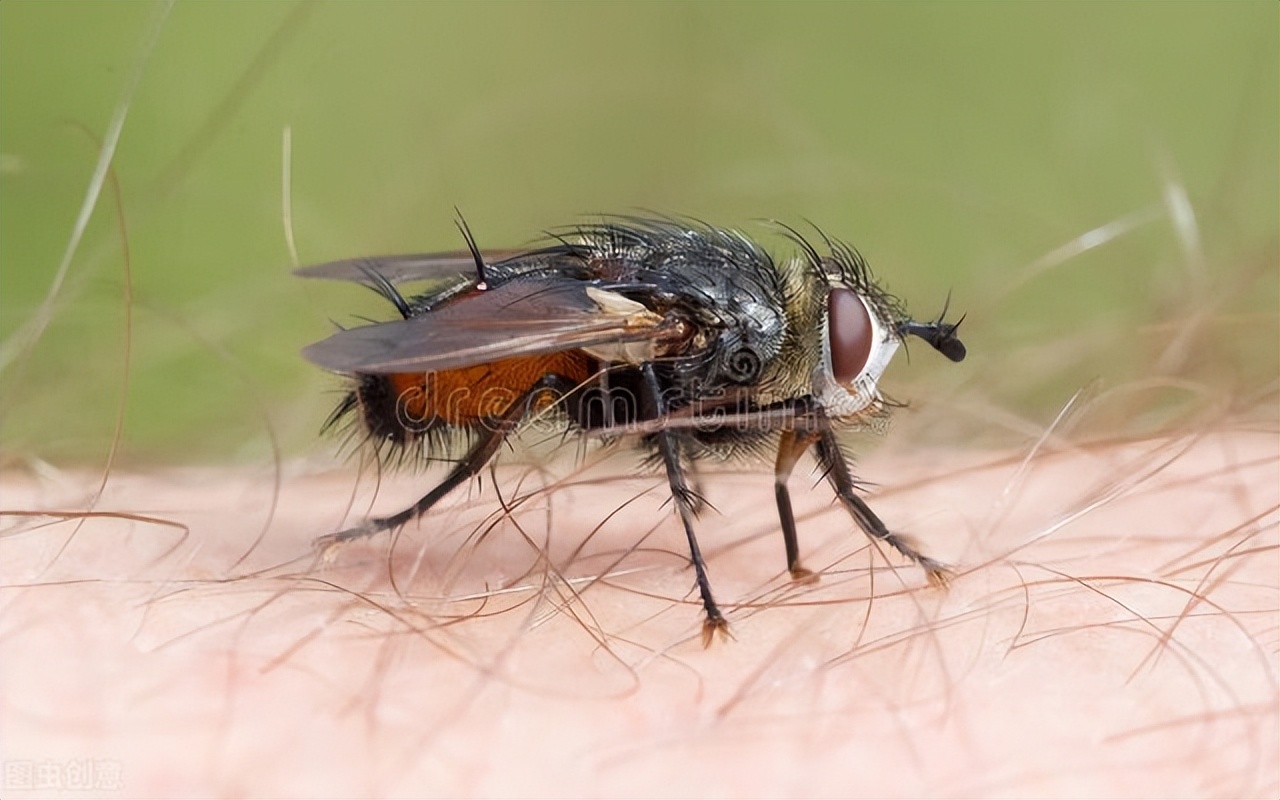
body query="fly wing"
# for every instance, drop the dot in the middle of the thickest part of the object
(518, 318)
(455, 266)
(396, 269)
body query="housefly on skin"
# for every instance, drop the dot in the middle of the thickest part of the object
(689, 338)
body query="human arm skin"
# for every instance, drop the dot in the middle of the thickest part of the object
(1111, 631)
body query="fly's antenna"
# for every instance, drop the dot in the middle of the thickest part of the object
(940, 335)
(481, 274)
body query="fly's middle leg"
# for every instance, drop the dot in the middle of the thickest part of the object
(685, 502)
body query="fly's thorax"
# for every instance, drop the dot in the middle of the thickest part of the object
(752, 340)
(787, 375)
(732, 321)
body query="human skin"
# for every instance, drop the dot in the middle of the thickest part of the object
(1111, 631)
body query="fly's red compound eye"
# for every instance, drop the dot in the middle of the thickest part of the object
(849, 333)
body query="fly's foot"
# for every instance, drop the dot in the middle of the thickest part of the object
(803, 577)
(939, 574)
(713, 624)
(327, 546)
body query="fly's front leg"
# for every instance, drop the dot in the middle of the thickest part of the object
(790, 448)
(685, 502)
(492, 433)
(837, 470)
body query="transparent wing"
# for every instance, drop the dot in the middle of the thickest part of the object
(518, 318)
(452, 266)
(396, 269)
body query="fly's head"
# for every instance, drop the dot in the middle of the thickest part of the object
(861, 328)
(858, 342)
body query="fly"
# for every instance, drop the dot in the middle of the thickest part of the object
(690, 338)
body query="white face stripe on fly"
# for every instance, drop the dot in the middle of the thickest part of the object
(841, 400)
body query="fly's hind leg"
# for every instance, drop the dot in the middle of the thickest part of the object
(837, 470)
(492, 433)
(685, 501)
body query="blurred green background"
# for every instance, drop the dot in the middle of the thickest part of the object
(958, 145)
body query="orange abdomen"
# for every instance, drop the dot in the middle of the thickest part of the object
(468, 395)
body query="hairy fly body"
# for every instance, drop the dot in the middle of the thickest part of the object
(690, 338)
